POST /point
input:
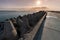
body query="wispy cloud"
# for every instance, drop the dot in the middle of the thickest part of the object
(26, 3)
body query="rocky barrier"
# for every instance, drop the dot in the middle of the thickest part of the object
(18, 28)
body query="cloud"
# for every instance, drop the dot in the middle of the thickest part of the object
(16, 2)
(24, 3)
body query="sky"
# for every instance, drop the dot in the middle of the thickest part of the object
(52, 4)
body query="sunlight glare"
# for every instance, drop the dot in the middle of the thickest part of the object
(38, 3)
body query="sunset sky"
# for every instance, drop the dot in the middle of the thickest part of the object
(53, 4)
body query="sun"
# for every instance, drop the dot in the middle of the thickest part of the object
(38, 3)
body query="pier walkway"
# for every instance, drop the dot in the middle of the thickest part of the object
(50, 30)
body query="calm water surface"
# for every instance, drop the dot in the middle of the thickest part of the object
(7, 15)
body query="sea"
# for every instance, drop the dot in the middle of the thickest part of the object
(10, 14)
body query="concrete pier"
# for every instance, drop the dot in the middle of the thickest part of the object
(31, 35)
(23, 27)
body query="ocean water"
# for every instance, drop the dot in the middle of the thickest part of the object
(10, 14)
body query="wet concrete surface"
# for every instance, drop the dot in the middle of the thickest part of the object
(50, 30)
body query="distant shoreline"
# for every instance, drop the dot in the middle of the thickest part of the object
(24, 11)
(54, 11)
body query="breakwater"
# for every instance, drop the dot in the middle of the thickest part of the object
(22, 27)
